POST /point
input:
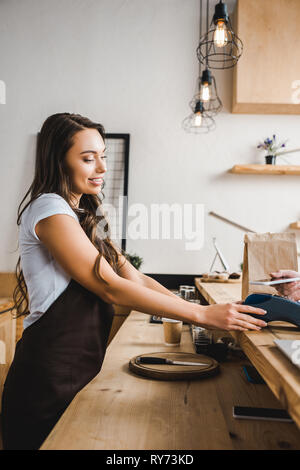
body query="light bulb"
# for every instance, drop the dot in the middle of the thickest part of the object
(197, 119)
(205, 92)
(221, 34)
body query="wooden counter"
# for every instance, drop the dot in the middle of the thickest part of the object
(218, 292)
(281, 375)
(120, 411)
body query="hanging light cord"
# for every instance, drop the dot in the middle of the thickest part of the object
(200, 36)
(207, 10)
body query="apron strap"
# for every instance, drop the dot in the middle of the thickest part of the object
(97, 268)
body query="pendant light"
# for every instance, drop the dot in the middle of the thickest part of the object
(205, 103)
(220, 47)
(206, 87)
(199, 122)
(209, 94)
(221, 20)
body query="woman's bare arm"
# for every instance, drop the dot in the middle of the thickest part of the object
(70, 246)
(72, 249)
(128, 271)
(153, 284)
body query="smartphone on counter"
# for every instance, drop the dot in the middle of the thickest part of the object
(269, 282)
(252, 375)
(273, 414)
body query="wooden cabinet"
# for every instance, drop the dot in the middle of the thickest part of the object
(8, 283)
(266, 79)
(7, 340)
(8, 326)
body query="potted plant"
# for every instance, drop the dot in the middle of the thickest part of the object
(135, 260)
(121, 311)
(272, 147)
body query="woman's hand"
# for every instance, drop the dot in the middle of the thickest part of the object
(291, 290)
(231, 317)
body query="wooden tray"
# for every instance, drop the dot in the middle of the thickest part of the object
(169, 372)
(223, 281)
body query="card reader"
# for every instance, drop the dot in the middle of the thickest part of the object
(278, 308)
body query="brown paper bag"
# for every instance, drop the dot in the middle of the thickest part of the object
(265, 253)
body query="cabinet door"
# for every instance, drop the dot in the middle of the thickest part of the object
(7, 345)
(267, 76)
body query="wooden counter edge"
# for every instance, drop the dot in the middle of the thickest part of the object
(258, 349)
(283, 386)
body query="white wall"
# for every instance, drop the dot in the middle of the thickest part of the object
(131, 64)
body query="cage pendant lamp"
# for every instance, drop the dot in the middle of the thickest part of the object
(220, 47)
(198, 122)
(205, 103)
(208, 94)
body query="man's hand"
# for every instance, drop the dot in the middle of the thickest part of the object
(290, 290)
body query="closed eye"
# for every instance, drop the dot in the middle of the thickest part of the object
(91, 160)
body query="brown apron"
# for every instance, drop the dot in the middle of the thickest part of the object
(55, 358)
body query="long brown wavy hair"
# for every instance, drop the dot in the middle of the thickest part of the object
(51, 176)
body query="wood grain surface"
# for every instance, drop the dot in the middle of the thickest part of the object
(6, 303)
(257, 169)
(118, 410)
(222, 281)
(266, 74)
(281, 375)
(220, 293)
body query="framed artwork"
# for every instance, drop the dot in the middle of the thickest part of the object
(115, 189)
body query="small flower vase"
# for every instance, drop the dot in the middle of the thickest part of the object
(270, 159)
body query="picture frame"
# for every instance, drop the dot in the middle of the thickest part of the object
(116, 182)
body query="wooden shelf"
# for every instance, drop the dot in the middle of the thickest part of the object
(295, 225)
(266, 169)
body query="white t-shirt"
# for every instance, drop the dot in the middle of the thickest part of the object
(44, 277)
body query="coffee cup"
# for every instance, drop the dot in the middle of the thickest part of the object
(172, 331)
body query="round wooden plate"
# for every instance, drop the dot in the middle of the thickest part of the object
(170, 372)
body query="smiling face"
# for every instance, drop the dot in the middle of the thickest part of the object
(86, 163)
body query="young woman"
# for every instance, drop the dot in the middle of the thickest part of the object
(72, 276)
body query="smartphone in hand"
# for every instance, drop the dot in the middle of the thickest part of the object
(270, 282)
